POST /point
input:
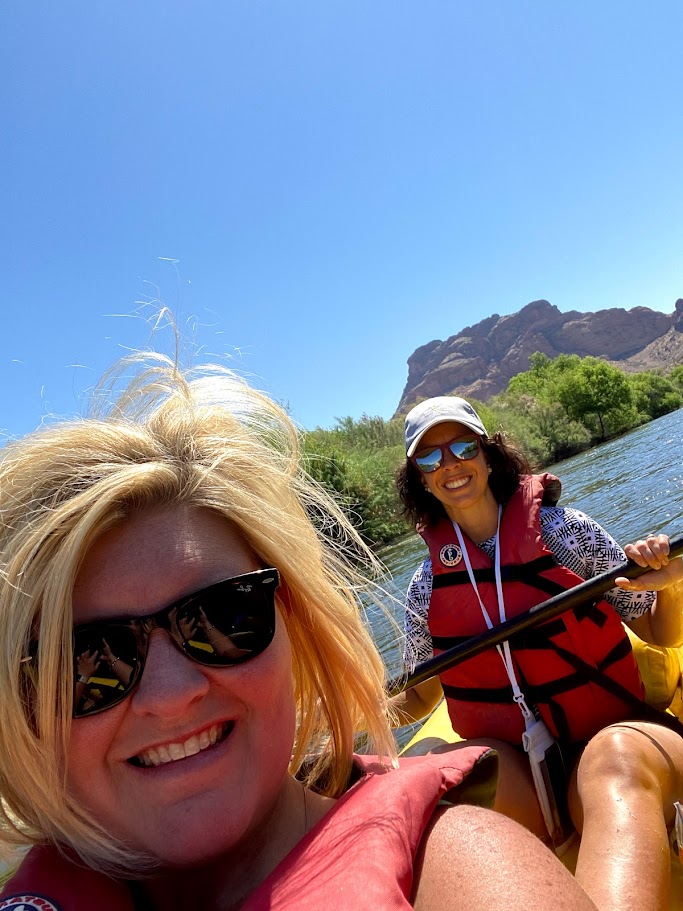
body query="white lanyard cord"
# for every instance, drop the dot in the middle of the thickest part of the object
(504, 650)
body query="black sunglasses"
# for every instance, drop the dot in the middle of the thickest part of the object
(428, 460)
(219, 626)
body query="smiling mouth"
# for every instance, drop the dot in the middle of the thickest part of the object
(173, 752)
(455, 485)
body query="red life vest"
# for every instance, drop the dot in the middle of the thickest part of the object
(478, 690)
(361, 854)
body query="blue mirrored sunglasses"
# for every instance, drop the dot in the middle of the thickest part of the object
(428, 460)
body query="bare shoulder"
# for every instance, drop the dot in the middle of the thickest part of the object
(471, 858)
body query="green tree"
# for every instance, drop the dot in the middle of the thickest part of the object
(654, 395)
(541, 427)
(531, 410)
(596, 390)
(357, 461)
(541, 380)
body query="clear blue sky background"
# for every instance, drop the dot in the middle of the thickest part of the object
(340, 182)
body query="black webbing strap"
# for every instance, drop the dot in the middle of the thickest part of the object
(535, 637)
(493, 695)
(541, 693)
(503, 696)
(620, 650)
(544, 693)
(643, 710)
(522, 572)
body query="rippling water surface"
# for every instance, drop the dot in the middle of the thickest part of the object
(632, 486)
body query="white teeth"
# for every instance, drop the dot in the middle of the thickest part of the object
(172, 752)
(177, 750)
(454, 485)
(192, 746)
(153, 757)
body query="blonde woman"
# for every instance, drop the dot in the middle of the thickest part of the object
(182, 674)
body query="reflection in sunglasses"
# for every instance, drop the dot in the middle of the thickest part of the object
(428, 460)
(219, 626)
(215, 641)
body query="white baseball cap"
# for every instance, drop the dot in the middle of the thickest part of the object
(438, 410)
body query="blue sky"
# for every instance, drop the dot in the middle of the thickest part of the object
(339, 182)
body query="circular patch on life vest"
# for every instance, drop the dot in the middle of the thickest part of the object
(23, 902)
(450, 555)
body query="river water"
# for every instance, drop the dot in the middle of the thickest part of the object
(632, 486)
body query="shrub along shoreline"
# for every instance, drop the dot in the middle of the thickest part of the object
(557, 408)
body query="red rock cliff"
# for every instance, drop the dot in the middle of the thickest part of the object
(480, 359)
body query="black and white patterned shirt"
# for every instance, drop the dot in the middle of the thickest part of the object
(575, 540)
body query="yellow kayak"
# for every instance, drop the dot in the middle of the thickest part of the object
(437, 729)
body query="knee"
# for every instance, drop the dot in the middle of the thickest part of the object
(619, 757)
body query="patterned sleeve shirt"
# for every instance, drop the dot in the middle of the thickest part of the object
(575, 540)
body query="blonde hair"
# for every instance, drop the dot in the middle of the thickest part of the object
(206, 439)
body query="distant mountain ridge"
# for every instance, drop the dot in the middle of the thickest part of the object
(480, 360)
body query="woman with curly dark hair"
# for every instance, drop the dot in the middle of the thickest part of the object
(507, 464)
(499, 544)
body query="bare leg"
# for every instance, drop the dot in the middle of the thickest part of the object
(516, 794)
(621, 798)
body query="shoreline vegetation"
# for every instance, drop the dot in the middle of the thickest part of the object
(556, 409)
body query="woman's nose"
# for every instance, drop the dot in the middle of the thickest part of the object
(170, 680)
(448, 457)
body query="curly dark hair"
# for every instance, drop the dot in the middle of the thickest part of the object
(507, 462)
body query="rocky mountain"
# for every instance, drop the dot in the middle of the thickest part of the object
(479, 360)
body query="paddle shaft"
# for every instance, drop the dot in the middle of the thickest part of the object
(559, 604)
